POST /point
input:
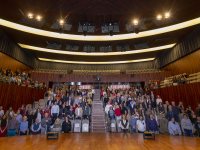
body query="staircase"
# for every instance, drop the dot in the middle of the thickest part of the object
(98, 115)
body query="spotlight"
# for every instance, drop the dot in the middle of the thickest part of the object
(159, 17)
(30, 15)
(38, 18)
(167, 15)
(135, 22)
(61, 22)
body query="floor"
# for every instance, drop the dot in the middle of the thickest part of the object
(99, 141)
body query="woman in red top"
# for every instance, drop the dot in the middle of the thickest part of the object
(118, 112)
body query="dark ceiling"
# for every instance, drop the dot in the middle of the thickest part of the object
(97, 12)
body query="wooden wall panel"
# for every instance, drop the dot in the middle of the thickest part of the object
(9, 62)
(188, 64)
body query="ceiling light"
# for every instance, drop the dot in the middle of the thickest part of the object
(30, 15)
(61, 22)
(159, 17)
(96, 63)
(117, 37)
(38, 18)
(152, 49)
(135, 22)
(167, 15)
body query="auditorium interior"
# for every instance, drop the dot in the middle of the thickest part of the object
(100, 74)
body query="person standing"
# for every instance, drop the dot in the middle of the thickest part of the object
(36, 127)
(174, 127)
(3, 126)
(66, 125)
(45, 123)
(124, 124)
(13, 126)
(55, 111)
(186, 125)
(23, 127)
(141, 125)
(152, 124)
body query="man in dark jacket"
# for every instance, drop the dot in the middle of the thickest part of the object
(66, 125)
(152, 124)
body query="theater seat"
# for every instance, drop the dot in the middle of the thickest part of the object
(85, 125)
(77, 125)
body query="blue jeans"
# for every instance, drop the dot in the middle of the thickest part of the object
(133, 130)
(11, 132)
(188, 132)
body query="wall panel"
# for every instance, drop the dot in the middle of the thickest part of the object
(8, 62)
(189, 64)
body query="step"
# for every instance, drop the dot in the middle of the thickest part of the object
(99, 122)
(101, 131)
(98, 125)
(98, 115)
(98, 128)
(99, 118)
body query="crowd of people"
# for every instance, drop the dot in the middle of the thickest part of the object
(180, 79)
(135, 110)
(138, 110)
(63, 105)
(21, 78)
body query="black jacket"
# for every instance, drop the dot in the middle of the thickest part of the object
(66, 126)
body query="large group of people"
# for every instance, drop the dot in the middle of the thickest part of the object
(135, 110)
(63, 105)
(138, 110)
(21, 78)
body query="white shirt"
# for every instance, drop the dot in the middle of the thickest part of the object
(174, 128)
(107, 108)
(79, 111)
(93, 91)
(158, 100)
(141, 125)
(39, 117)
(55, 109)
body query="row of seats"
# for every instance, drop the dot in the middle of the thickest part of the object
(80, 125)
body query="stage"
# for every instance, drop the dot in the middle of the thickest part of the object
(99, 141)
